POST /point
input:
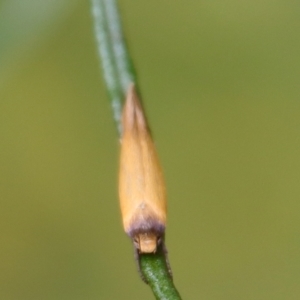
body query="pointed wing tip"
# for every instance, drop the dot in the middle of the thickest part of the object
(132, 97)
(133, 114)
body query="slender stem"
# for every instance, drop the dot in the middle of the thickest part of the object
(155, 271)
(122, 58)
(119, 74)
(107, 56)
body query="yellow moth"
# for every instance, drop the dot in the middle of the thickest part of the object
(141, 184)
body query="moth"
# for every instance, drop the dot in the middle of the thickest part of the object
(142, 190)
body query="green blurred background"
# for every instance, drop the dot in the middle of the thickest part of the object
(220, 83)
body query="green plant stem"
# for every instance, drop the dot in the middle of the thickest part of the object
(106, 55)
(157, 275)
(119, 74)
(116, 64)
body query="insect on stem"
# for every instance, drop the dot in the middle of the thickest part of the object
(141, 184)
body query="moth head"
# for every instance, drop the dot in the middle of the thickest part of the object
(146, 242)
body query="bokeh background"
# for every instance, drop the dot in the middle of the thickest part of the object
(220, 83)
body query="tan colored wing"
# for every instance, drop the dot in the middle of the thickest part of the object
(141, 183)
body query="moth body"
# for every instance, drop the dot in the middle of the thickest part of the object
(141, 183)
